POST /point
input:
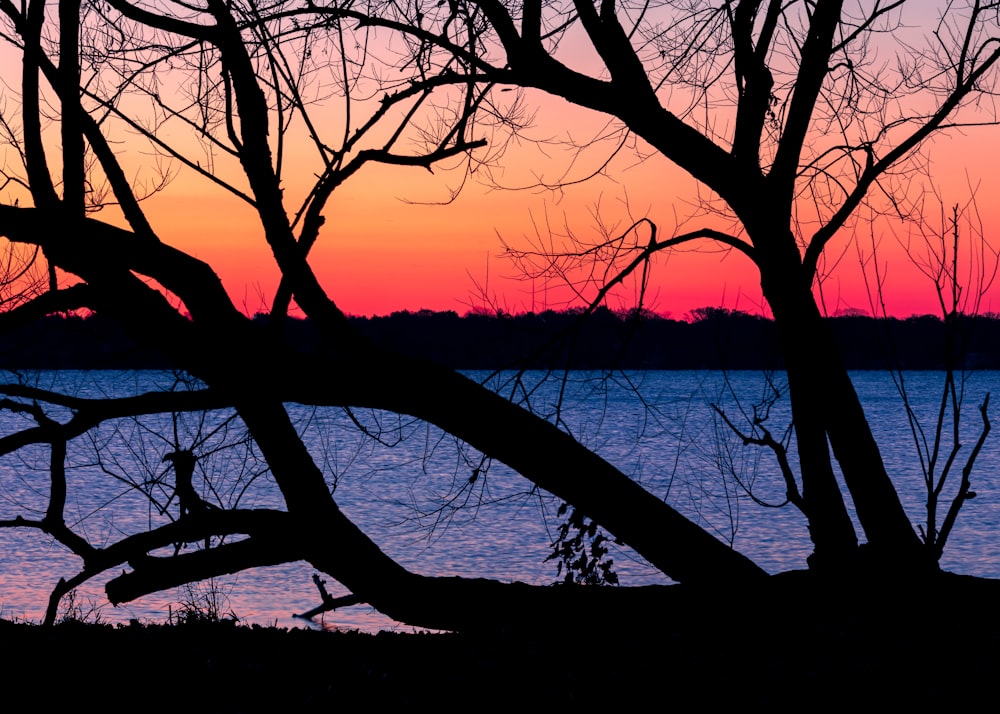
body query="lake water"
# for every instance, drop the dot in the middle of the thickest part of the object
(408, 486)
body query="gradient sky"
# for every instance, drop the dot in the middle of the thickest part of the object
(389, 245)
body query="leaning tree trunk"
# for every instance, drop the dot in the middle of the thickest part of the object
(333, 543)
(538, 450)
(232, 355)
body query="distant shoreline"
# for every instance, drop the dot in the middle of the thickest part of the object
(713, 339)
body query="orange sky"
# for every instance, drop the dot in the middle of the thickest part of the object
(385, 248)
(381, 252)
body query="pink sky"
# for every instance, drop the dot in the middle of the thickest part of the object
(387, 246)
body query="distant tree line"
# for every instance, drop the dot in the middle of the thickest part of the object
(709, 338)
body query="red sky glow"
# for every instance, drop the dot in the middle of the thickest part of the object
(381, 252)
(394, 241)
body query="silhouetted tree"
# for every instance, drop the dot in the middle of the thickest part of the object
(218, 88)
(765, 103)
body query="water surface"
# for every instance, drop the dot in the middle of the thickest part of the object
(411, 488)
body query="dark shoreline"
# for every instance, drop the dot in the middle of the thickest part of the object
(789, 648)
(711, 339)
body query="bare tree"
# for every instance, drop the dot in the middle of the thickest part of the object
(811, 114)
(791, 120)
(243, 75)
(960, 269)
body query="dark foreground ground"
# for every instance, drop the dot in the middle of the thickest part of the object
(794, 648)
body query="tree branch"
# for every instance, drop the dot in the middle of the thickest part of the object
(153, 574)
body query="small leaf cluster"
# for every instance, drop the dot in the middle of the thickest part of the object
(581, 550)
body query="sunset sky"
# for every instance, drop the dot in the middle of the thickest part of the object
(393, 242)
(389, 244)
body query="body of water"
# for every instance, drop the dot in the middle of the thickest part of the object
(410, 487)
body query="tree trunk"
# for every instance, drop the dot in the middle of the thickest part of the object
(830, 526)
(338, 547)
(228, 353)
(826, 408)
(542, 453)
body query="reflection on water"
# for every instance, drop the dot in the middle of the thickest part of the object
(430, 503)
